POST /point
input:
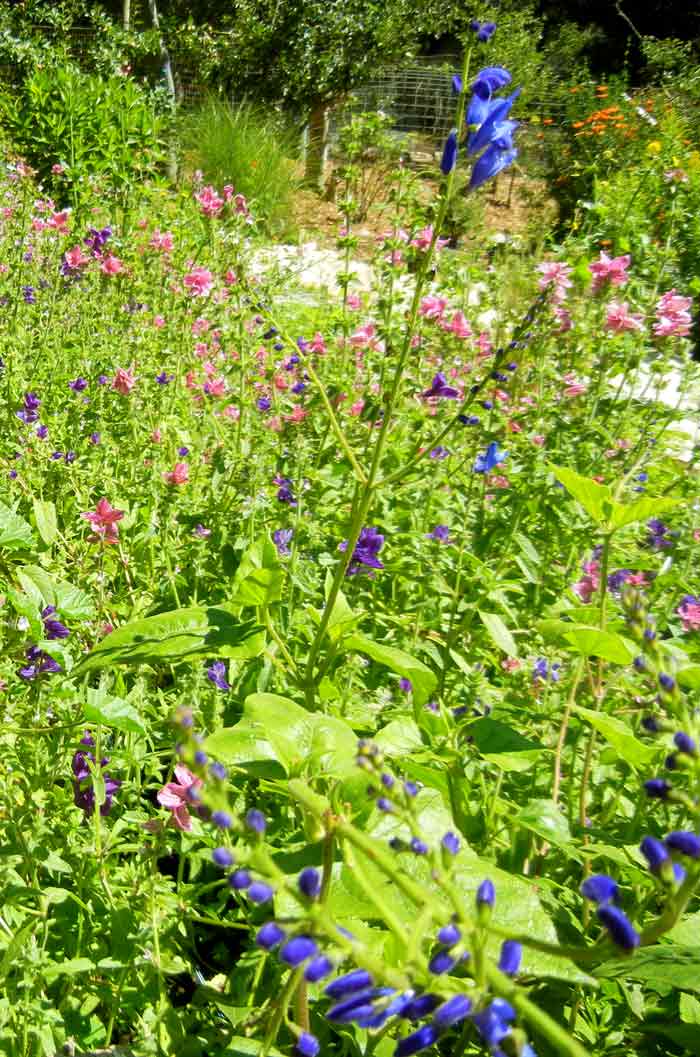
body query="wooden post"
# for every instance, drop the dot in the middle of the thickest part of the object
(316, 142)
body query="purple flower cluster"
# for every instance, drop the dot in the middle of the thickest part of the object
(83, 789)
(40, 663)
(29, 412)
(368, 546)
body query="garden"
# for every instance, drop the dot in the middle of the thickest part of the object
(349, 541)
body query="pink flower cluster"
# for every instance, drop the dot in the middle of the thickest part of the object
(555, 276)
(612, 270)
(673, 318)
(104, 520)
(619, 318)
(689, 612)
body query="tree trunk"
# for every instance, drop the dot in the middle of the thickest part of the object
(316, 147)
(169, 84)
(126, 15)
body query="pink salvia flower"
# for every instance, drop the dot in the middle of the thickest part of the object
(611, 270)
(180, 474)
(619, 318)
(555, 275)
(104, 520)
(432, 307)
(209, 201)
(124, 380)
(111, 265)
(199, 281)
(689, 612)
(673, 318)
(174, 796)
(459, 326)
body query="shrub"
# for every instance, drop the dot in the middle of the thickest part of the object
(74, 128)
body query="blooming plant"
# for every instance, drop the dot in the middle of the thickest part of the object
(414, 565)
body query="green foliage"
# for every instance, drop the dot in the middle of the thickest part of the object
(99, 132)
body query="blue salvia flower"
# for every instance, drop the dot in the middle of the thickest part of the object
(451, 1012)
(417, 1041)
(491, 457)
(449, 153)
(307, 1045)
(491, 162)
(511, 956)
(487, 132)
(600, 888)
(621, 930)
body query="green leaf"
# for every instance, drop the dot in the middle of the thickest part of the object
(499, 633)
(45, 518)
(422, 679)
(689, 678)
(593, 642)
(277, 729)
(177, 636)
(112, 712)
(689, 1009)
(72, 967)
(544, 818)
(596, 499)
(15, 532)
(665, 964)
(342, 619)
(642, 510)
(259, 576)
(240, 1046)
(71, 602)
(503, 746)
(618, 734)
(401, 737)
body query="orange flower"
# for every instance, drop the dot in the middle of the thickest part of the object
(547, 121)
(577, 124)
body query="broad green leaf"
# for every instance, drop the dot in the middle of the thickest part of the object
(689, 1009)
(71, 602)
(544, 818)
(689, 678)
(593, 642)
(277, 729)
(665, 964)
(596, 499)
(422, 679)
(499, 633)
(503, 746)
(15, 532)
(240, 1046)
(176, 636)
(618, 734)
(627, 513)
(259, 576)
(401, 737)
(45, 518)
(342, 619)
(112, 712)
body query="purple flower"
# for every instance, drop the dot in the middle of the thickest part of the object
(201, 532)
(42, 432)
(222, 857)
(260, 892)
(40, 663)
(310, 882)
(484, 30)
(490, 459)
(440, 389)
(350, 984)
(95, 438)
(284, 492)
(83, 790)
(491, 162)
(78, 384)
(658, 534)
(307, 1045)
(542, 670)
(164, 379)
(282, 538)
(29, 295)
(222, 819)
(269, 935)
(406, 685)
(183, 451)
(511, 956)
(449, 935)
(654, 851)
(486, 894)
(96, 239)
(54, 628)
(493, 1023)
(439, 453)
(441, 534)
(239, 880)
(449, 153)
(255, 821)
(317, 968)
(29, 412)
(216, 674)
(368, 545)
(657, 788)
(621, 930)
(452, 1012)
(264, 403)
(600, 888)
(684, 843)
(297, 950)
(440, 963)
(450, 843)
(417, 1041)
